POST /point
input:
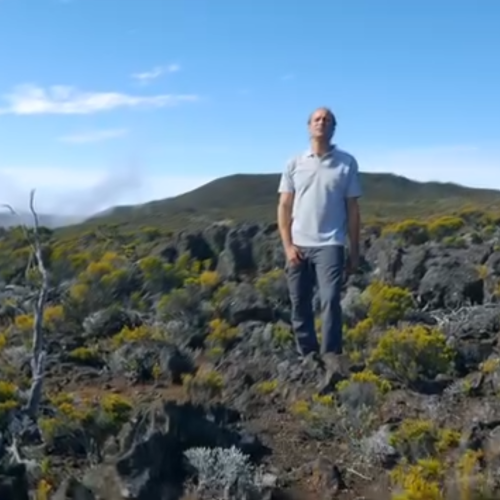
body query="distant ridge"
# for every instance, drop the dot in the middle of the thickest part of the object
(253, 197)
(8, 219)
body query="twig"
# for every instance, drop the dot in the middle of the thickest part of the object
(356, 473)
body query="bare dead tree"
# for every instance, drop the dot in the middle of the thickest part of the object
(38, 353)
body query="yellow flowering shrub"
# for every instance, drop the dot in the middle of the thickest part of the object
(115, 279)
(411, 231)
(43, 490)
(490, 365)
(85, 354)
(444, 226)
(272, 285)
(206, 384)
(472, 481)
(79, 292)
(323, 400)
(103, 274)
(482, 271)
(412, 352)
(53, 316)
(8, 398)
(3, 340)
(448, 438)
(221, 333)
(454, 242)
(206, 279)
(70, 415)
(419, 481)
(24, 323)
(210, 279)
(8, 391)
(79, 260)
(366, 377)
(177, 304)
(474, 215)
(7, 406)
(117, 407)
(417, 438)
(136, 334)
(151, 266)
(357, 337)
(96, 270)
(320, 416)
(165, 276)
(267, 386)
(69, 408)
(320, 405)
(104, 416)
(282, 335)
(433, 478)
(301, 409)
(222, 293)
(387, 304)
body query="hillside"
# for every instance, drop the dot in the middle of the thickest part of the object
(247, 197)
(171, 370)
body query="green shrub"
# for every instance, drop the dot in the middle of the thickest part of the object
(413, 232)
(413, 352)
(387, 304)
(445, 226)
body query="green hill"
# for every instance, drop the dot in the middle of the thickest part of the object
(253, 197)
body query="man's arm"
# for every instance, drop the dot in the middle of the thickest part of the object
(353, 212)
(285, 205)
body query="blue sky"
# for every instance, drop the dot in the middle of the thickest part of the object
(122, 101)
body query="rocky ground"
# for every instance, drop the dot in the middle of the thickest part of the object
(174, 375)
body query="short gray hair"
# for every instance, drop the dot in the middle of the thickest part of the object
(328, 110)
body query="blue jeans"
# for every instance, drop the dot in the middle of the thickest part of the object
(324, 266)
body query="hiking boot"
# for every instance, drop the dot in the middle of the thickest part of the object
(336, 369)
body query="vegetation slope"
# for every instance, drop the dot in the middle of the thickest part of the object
(140, 316)
(252, 198)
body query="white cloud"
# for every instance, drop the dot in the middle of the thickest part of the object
(70, 191)
(67, 191)
(147, 76)
(64, 100)
(93, 136)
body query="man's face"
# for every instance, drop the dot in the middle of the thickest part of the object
(321, 124)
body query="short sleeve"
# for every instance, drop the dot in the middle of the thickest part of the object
(286, 181)
(353, 181)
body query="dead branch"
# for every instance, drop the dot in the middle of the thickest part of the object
(13, 449)
(38, 349)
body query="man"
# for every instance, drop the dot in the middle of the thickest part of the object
(317, 211)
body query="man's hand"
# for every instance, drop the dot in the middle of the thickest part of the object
(354, 228)
(352, 265)
(293, 255)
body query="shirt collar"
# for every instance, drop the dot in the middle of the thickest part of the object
(310, 154)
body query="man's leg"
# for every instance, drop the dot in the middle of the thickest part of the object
(329, 264)
(300, 279)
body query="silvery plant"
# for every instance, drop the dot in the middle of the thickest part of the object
(225, 473)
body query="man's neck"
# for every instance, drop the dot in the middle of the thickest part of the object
(320, 147)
